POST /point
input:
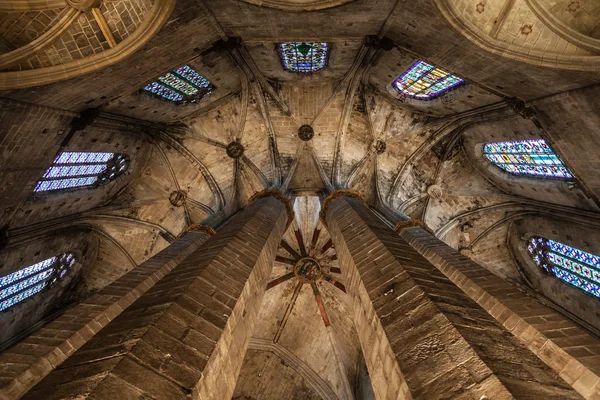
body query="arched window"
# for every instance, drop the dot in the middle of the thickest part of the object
(76, 169)
(304, 56)
(527, 157)
(28, 281)
(182, 85)
(567, 263)
(424, 81)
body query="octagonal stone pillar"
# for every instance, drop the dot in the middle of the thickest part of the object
(421, 335)
(187, 336)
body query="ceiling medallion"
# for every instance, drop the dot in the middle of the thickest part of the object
(308, 270)
(306, 132)
(435, 191)
(235, 149)
(380, 146)
(311, 265)
(177, 198)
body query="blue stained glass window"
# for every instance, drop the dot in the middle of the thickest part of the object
(304, 56)
(574, 266)
(191, 75)
(178, 84)
(79, 169)
(182, 85)
(527, 157)
(424, 81)
(163, 91)
(28, 281)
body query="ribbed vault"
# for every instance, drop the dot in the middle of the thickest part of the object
(420, 159)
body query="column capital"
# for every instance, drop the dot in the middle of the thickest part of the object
(279, 196)
(336, 194)
(412, 223)
(198, 228)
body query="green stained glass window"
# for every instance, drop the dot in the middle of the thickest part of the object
(304, 56)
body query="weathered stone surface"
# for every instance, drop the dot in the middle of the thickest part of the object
(437, 341)
(541, 329)
(178, 339)
(33, 358)
(430, 145)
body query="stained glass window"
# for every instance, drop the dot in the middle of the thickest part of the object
(304, 56)
(182, 85)
(527, 157)
(77, 169)
(28, 281)
(424, 81)
(574, 266)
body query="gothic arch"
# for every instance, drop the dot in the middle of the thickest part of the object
(569, 299)
(30, 5)
(454, 126)
(547, 209)
(571, 60)
(296, 6)
(155, 19)
(563, 30)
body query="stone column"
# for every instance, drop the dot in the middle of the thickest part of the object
(422, 336)
(24, 365)
(187, 336)
(565, 347)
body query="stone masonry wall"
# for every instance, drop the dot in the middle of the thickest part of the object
(30, 137)
(20, 317)
(36, 356)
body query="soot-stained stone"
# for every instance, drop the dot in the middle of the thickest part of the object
(235, 149)
(177, 198)
(380, 146)
(306, 132)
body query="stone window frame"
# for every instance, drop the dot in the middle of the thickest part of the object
(186, 99)
(551, 274)
(69, 268)
(451, 95)
(524, 263)
(42, 195)
(489, 168)
(571, 179)
(330, 49)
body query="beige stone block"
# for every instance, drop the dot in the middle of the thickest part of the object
(572, 371)
(586, 383)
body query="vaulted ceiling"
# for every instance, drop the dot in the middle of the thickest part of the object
(430, 167)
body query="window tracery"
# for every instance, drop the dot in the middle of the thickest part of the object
(304, 56)
(81, 169)
(424, 81)
(22, 284)
(576, 267)
(182, 85)
(527, 157)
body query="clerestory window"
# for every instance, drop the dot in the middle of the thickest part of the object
(527, 157)
(20, 285)
(424, 81)
(81, 169)
(576, 267)
(304, 56)
(182, 85)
